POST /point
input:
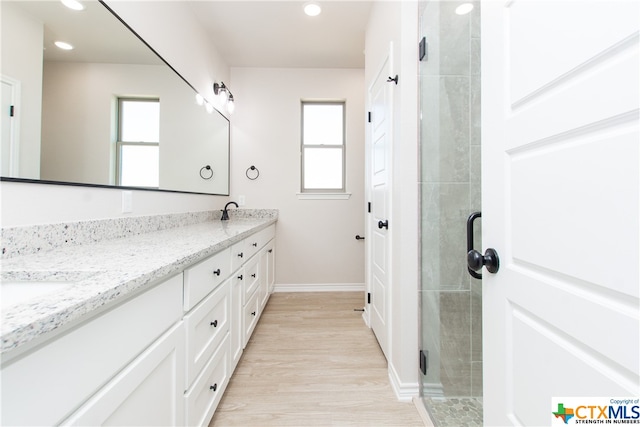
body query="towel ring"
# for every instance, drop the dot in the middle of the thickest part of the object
(252, 168)
(202, 174)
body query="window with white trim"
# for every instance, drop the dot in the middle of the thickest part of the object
(323, 147)
(138, 145)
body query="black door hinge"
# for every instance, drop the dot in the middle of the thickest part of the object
(369, 207)
(369, 298)
(423, 49)
(369, 116)
(11, 111)
(424, 362)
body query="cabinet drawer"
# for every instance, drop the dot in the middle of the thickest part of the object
(238, 256)
(250, 320)
(203, 397)
(203, 277)
(57, 377)
(207, 325)
(251, 279)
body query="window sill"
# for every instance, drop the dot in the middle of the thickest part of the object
(324, 196)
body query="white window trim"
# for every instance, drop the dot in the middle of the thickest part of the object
(323, 196)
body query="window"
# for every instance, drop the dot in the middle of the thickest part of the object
(138, 149)
(323, 147)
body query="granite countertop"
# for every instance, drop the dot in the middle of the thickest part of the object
(106, 272)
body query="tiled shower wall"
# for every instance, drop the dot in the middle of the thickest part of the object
(450, 190)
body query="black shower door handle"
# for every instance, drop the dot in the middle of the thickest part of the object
(475, 260)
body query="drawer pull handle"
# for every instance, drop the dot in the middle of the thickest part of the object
(240, 277)
(216, 272)
(253, 275)
(253, 313)
(255, 245)
(214, 323)
(214, 387)
(241, 254)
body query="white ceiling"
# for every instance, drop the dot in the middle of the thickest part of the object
(267, 33)
(247, 33)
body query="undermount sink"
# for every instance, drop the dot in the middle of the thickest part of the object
(14, 292)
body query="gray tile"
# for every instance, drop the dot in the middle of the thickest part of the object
(476, 325)
(430, 236)
(430, 333)
(475, 20)
(455, 412)
(474, 57)
(454, 210)
(475, 115)
(444, 145)
(454, 40)
(476, 379)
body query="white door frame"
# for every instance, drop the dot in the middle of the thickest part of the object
(14, 132)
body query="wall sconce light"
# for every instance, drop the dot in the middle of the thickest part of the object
(224, 94)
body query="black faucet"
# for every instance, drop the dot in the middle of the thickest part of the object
(225, 214)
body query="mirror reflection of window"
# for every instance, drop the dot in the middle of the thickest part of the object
(138, 147)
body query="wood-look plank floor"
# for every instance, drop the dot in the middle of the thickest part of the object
(312, 362)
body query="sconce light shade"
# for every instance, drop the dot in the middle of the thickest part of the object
(224, 95)
(231, 106)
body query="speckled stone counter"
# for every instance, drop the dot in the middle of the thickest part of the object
(106, 272)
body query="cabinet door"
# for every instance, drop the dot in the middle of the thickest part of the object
(237, 332)
(58, 377)
(271, 265)
(251, 312)
(147, 392)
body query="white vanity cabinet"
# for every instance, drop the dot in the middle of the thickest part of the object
(222, 300)
(46, 385)
(162, 357)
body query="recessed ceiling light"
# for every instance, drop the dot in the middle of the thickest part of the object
(73, 4)
(63, 45)
(464, 8)
(312, 9)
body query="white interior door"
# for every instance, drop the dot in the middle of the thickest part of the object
(560, 189)
(379, 226)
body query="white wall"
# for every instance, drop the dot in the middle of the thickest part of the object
(190, 52)
(316, 238)
(397, 23)
(23, 62)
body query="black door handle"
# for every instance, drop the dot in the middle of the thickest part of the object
(475, 260)
(383, 224)
(358, 237)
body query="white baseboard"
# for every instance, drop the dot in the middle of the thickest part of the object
(319, 287)
(405, 392)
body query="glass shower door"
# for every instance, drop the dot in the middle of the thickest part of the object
(451, 301)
